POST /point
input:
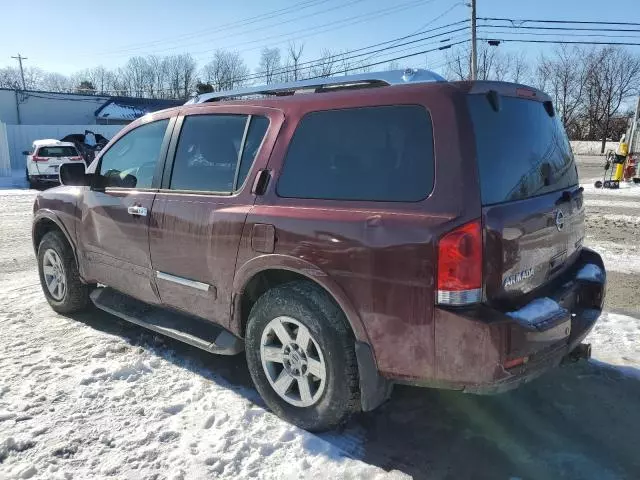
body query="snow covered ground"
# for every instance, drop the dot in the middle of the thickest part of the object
(92, 397)
(88, 397)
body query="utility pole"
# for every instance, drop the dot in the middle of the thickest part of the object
(474, 46)
(20, 58)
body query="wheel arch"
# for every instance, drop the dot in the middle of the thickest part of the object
(46, 221)
(267, 271)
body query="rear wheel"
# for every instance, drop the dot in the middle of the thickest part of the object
(59, 275)
(32, 183)
(301, 356)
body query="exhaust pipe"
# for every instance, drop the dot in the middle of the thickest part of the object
(581, 352)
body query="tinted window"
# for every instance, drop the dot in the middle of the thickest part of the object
(131, 161)
(255, 135)
(57, 152)
(208, 149)
(522, 150)
(373, 153)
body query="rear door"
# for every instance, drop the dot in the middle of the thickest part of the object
(199, 214)
(532, 206)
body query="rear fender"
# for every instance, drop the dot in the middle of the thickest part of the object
(302, 267)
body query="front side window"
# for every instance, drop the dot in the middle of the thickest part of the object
(372, 153)
(131, 161)
(211, 156)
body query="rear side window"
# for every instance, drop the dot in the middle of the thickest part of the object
(57, 152)
(522, 150)
(371, 153)
(211, 156)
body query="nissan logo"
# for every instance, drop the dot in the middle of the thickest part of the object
(559, 220)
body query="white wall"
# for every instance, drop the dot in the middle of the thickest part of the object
(39, 108)
(21, 137)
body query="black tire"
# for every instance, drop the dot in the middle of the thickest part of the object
(76, 295)
(315, 309)
(32, 183)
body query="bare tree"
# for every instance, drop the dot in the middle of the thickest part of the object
(393, 65)
(294, 52)
(157, 77)
(564, 77)
(326, 65)
(10, 78)
(613, 76)
(225, 71)
(56, 82)
(270, 65)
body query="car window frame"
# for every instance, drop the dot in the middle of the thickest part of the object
(97, 182)
(274, 116)
(429, 191)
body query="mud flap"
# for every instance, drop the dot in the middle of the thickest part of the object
(374, 388)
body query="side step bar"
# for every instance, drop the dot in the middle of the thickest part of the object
(187, 329)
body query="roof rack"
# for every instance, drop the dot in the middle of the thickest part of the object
(317, 85)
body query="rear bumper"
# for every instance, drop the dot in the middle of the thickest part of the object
(46, 178)
(475, 348)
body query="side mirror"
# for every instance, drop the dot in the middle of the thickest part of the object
(74, 174)
(26, 152)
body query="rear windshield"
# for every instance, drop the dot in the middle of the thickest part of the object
(57, 152)
(522, 151)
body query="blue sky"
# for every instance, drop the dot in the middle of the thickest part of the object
(70, 35)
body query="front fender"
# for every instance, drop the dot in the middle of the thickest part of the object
(302, 267)
(49, 215)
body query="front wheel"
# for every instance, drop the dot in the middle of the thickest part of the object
(59, 276)
(301, 356)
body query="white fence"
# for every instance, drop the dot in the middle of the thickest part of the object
(5, 162)
(21, 137)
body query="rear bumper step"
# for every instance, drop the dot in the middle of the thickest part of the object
(194, 331)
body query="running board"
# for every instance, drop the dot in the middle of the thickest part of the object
(194, 331)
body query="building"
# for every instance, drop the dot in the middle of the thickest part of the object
(19, 107)
(26, 116)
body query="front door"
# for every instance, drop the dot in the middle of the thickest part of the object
(198, 216)
(114, 231)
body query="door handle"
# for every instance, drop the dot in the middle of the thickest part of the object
(137, 211)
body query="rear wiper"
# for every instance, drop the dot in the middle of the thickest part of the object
(568, 195)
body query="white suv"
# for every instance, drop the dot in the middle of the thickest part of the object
(45, 158)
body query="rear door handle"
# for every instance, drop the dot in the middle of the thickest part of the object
(137, 211)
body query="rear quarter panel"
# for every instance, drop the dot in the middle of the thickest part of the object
(377, 257)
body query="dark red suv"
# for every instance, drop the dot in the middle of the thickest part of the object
(347, 234)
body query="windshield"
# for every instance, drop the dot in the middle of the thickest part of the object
(57, 152)
(523, 151)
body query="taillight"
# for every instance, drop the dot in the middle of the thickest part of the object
(75, 158)
(39, 159)
(460, 265)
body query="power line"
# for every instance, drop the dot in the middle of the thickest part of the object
(571, 29)
(311, 63)
(420, 30)
(559, 41)
(322, 29)
(602, 35)
(524, 20)
(225, 26)
(327, 27)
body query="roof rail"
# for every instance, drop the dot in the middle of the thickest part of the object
(315, 85)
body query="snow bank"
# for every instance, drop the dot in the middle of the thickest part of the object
(590, 272)
(617, 257)
(582, 147)
(627, 189)
(537, 311)
(615, 339)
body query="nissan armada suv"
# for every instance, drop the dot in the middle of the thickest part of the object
(347, 234)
